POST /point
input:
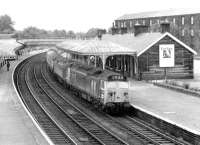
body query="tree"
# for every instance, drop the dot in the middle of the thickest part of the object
(60, 33)
(91, 33)
(6, 24)
(33, 32)
(71, 34)
(95, 32)
(80, 35)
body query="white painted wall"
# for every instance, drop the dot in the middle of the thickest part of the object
(197, 68)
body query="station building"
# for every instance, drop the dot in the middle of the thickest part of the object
(183, 24)
(157, 56)
(146, 56)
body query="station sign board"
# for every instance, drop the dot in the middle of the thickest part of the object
(166, 55)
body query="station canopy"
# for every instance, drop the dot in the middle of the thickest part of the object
(94, 47)
(8, 47)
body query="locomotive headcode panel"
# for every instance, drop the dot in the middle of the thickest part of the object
(117, 78)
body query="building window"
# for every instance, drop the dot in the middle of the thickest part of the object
(150, 23)
(143, 22)
(158, 21)
(183, 20)
(136, 22)
(192, 32)
(192, 20)
(183, 32)
(174, 21)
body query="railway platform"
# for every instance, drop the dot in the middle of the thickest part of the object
(16, 126)
(176, 108)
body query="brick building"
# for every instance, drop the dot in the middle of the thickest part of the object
(183, 24)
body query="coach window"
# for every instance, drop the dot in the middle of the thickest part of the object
(192, 20)
(119, 24)
(183, 20)
(130, 23)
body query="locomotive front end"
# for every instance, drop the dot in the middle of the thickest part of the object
(117, 94)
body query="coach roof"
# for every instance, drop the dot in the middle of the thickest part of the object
(170, 12)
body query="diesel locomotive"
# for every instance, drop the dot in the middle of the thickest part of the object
(103, 88)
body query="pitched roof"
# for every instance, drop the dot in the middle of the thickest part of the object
(142, 42)
(170, 12)
(136, 43)
(8, 46)
(94, 47)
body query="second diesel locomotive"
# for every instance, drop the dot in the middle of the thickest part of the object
(106, 89)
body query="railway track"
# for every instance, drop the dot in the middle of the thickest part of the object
(52, 129)
(65, 123)
(93, 132)
(50, 109)
(149, 134)
(142, 131)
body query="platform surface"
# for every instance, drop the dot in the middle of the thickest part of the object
(16, 126)
(177, 108)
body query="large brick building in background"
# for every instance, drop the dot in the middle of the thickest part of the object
(183, 24)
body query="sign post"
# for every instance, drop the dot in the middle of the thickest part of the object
(166, 57)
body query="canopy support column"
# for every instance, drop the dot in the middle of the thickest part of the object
(136, 65)
(103, 58)
(131, 66)
(88, 60)
(95, 61)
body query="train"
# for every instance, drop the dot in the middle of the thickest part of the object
(107, 90)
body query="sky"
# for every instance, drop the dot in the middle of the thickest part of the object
(80, 15)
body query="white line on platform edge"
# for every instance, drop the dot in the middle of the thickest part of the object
(29, 114)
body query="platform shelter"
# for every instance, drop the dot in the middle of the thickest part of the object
(103, 54)
(159, 55)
